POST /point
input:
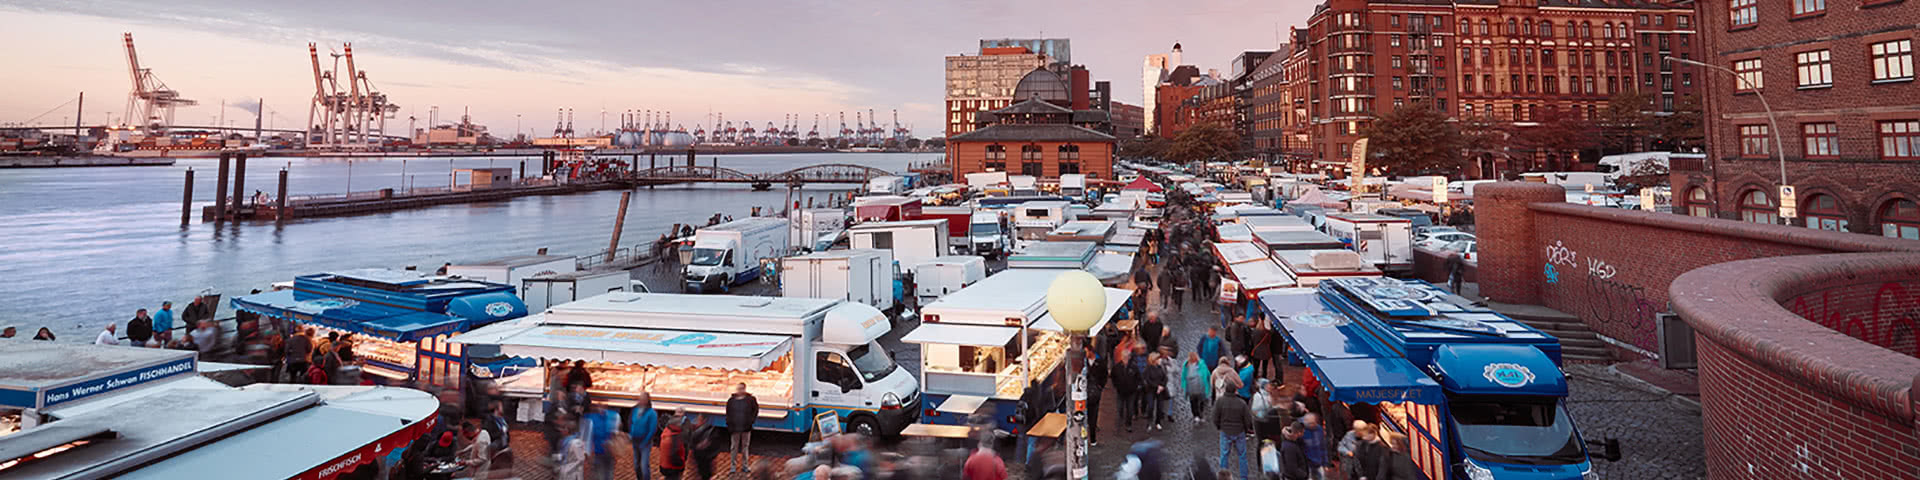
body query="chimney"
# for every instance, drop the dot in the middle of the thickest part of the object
(1080, 88)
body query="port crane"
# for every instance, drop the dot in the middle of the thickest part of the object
(151, 101)
(353, 119)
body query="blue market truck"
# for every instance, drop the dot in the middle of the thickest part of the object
(1478, 395)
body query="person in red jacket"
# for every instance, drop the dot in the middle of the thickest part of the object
(673, 446)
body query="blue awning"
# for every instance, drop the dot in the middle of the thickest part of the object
(392, 323)
(1499, 370)
(1339, 353)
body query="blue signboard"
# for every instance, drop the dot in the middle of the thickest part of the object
(59, 394)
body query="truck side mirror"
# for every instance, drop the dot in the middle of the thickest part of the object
(1610, 448)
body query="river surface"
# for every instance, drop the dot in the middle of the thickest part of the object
(82, 247)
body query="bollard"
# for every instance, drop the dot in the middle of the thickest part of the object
(220, 189)
(280, 199)
(239, 182)
(186, 200)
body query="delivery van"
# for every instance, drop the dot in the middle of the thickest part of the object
(887, 185)
(863, 276)
(945, 275)
(985, 233)
(511, 270)
(1386, 242)
(731, 253)
(548, 290)
(912, 242)
(817, 228)
(804, 359)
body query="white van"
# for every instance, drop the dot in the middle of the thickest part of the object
(731, 253)
(1033, 220)
(1386, 242)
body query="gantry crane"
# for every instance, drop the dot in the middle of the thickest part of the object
(150, 100)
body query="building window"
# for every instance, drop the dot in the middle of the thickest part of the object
(1815, 68)
(1697, 203)
(1032, 168)
(1466, 27)
(1533, 84)
(1613, 84)
(1682, 22)
(1892, 60)
(1900, 140)
(1394, 40)
(1486, 84)
(1590, 89)
(1546, 29)
(1029, 152)
(1069, 152)
(1396, 61)
(1483, 26)
(1546, 58)
(1393, 20)
(1550, 83)
(1466, 57)
(1809, 7)
(1757, 208)
(996, 152)
(1743, 13)
(1466, 110)
(1486, 57)
(1900, 219)
(1749, 75)
(1572, 30)
(1396, 83)
(1587, 58)
(1823, 213)
(1821, 139)
(1643, 19)
(1513, 84)
(1606, 30)
(1648, 80)
(1612, 60)
(1512, 27)
(1753, 141)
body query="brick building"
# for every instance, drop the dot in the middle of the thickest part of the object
(978, 83)
(1268, 103)
(1049, 134)
(1170, 114)
(1839, 76)
(1129, 121)
(1515, 62)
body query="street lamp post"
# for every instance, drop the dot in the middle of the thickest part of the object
(1077, 300)
(1773, 126)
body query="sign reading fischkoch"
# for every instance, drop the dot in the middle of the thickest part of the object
(71, 392)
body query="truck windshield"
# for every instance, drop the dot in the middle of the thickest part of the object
(872, 362)
(986, 229)
(707, 257)
(1524, 431)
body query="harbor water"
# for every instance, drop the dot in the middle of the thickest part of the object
(83, 247)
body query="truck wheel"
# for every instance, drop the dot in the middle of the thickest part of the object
(865, 426)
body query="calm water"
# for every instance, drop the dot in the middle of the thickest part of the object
(81, 247)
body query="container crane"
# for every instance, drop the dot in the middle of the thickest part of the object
(150, 97)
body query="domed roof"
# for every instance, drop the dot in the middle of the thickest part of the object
(1044, 85)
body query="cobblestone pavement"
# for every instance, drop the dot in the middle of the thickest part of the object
(1660, 436)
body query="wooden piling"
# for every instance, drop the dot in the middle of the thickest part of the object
(619, 222)
(280, 199)
(186, 200)
(220, 189)
(239, 182)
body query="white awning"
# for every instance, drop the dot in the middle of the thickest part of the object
(1116, 297)
(665, 348)
(973, 335)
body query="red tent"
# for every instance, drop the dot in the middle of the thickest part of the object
(1142, 183)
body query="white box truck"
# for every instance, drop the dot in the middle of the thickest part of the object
(548, 290)
(945, 275)
(1032, 221)
(511, 270)
(731, 253)
(985, 233)
(1023, 185)
(1074, 185)
(863, 276)
(801, 357)
(887, 185)
(913, 242)
(1386, 242)
(817, 228)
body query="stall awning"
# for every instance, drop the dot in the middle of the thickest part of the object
(1116, 298)
(1260, 275)
(665, 348)
(392, 323)
(972, 335)
(1231, 253)
(1338, 351)
(1499, 370)
(1142, 183)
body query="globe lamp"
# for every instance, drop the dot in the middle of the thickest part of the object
(1076, 299)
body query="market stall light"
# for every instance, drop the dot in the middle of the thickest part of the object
(1076, 300)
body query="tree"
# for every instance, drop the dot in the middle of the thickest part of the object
(1681, 130)
(937, 142)
(1626, 121)
(1203, 142)
(1557, 134)
(1143, 148)
(913, 143)
(1414, 140)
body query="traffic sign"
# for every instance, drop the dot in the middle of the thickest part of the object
(1789, 205)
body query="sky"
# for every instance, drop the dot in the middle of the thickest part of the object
(518, 62)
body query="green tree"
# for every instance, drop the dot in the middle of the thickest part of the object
(1558, 135)
(1683, 129)
(1202, 143)
(1414, 140)
(1143, 148)
(1626, 122)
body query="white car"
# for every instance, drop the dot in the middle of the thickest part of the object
(1440, 240)
(1468, 249)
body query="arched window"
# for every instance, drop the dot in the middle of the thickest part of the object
(1528, 25)
(1513, 27)
(1756, 207)
(1900, 218)
(1546, 29)
(1586, 29)
(1572, 30)
(1697, 203)
(1823, 213)
(1466, 26)
(1483, 26)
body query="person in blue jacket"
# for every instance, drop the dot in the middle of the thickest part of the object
(1246, 377)
(601, 423)
(642, 429)
(1210, 346)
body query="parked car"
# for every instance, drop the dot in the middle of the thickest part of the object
(1468, 249)
(1441, 239)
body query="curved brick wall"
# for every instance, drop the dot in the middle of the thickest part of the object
(1509, 269)
(1786, 396)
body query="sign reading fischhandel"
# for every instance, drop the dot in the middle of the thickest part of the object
(57, 395)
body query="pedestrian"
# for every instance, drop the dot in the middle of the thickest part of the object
(1368, 451)
(320, 342)
(162, 327)
(1225, 379)
(1193, 377)
(1293, 459)
(703, 446)
(572, 454)
(299, 351)
(578, 375)
(1262, 406)
(140, 328)
(1262, 351)
(1029, 411)
(1246, 377)
(106, 336)
(1156, 380)
(43, 334)
(476, 454)
(207, 338)
(1314, 436)
(1125, 384)
(642, 428)
(1151, 331)
(1168, 292)
(1396, 464)
(1211, 347)
(1240, 336)
(1097, 361)
(742, 410)
(673, 446)
(1144, 393)
(600, 425)
(1232, 417)
(443, 268)
(317, 372)
(984, 464)
(1142, 281)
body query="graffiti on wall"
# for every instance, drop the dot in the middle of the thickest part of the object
(1621, 310)
(1890, 320)
(1558, 254)
(1599, 268)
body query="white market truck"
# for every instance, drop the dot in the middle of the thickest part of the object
(863, 276)
(913, 242)
(1386, 242)
(545, 291)
(731, 253)
(511, 270)
(800, 357)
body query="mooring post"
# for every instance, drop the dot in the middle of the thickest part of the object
(239, 182)
(619, 222)
(186, 200)
(280, 199)
(690, 158)
(220, 189)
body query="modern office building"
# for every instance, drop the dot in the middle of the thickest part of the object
(985, 82)
(1129, 121)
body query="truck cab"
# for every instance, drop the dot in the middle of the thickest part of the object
(1479, 395)
(731, 253)
(984, 234)
(714, 264)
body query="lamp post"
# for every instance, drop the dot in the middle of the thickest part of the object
(1076, 301)
(1773, 127)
